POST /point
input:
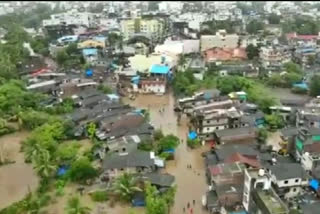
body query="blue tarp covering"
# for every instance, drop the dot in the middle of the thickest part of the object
(169, 150)
(89, 72)
(135, 79)
(301, 85)
(159, 69)
(192, 135)
(62, 170)
(207, 96)
(90, 51)
(314, 184)
(239, 212)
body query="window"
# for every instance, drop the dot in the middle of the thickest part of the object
(286, 182)
(121, 169)
(208, 121)
(217, 128)
(294, 190)
(297, 180)
(208, 129)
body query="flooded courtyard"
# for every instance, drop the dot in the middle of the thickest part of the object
(18, 178)
(191, 182)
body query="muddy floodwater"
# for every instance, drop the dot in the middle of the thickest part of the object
(191, 182)
(18, 178)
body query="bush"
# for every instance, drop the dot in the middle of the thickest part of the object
(105, 89)
(82, 170)
(99, 196)
(193, 143)
(146, 146)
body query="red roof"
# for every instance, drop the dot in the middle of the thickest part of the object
(237, 157)
(302, 37)
(224, 54)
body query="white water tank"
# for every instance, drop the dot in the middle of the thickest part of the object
(261, 172)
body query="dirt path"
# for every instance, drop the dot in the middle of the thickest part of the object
(15, 179)
(191, 186)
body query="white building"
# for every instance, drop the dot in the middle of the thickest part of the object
(271, 56)
(71, 18)
(178, 47)
(167, 6)
(220, 40)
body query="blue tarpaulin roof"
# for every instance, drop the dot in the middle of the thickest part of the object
(113, 97)
(90, 51)
(159, 69)
(99, 38)
(135, 79)
(169, 150)
(301, 85)
(192, 135)
(62, 170)
(89, 72)
(314, 184)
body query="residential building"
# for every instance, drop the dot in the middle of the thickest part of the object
(307, 148)
(70, 18)
(307, 40)
(259, 196)
(220, 40)
(243, 135)
(136, 161)
(224, 54)
(226, 186)
(152, 28)
(288, 179)
(274, 56)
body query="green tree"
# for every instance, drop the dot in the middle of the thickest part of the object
(105, 89)
(292, 67)
(91, 128)
(254, 26)
(74, 207)
(67, 151)
(262, 135)
(252, 51)
(43, 165)
(275, 121)
(125, 186)
(154, 203)
(158, 134)
(168, 142)
(82, 170)
(315, 86)
(274, 19)
(62, 57)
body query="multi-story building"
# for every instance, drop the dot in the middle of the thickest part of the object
(152, 28)
(221, 40)
(274, 56)
(65, 23)
(258, 195)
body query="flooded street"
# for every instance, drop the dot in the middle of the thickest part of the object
(191, 183)
(285, 93)
(18, 178)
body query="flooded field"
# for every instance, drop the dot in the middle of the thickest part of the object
(191, 183)
(18, 178)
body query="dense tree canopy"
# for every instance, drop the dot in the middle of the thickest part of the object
(315, 86)
(252, 51)
(301, 25)
(274, 18)
(254, 26)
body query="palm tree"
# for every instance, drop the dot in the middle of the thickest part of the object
(74, 207)
(33, 150)
(125, 186)
(43, 165)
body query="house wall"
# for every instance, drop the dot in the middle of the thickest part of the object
(213, 128)
(113, 173)
(293, 192)
(191, 46)
(154, 88)
(218, 40)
